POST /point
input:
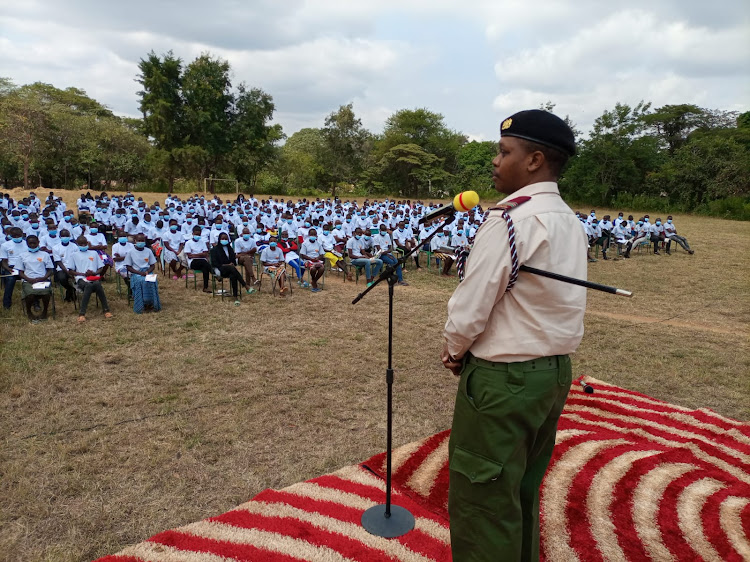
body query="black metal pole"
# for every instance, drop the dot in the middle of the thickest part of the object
(389, 382)
(574, 281)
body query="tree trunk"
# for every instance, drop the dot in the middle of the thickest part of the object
(26, 174)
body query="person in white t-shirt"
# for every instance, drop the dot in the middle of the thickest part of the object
(670, 231)
(360, 257)
(173, 242)
(313, 254)
(272, 259)
(196, 252)
(403, 238)
(140, 263)
(86, 267)
(35, 270)
(245, 248)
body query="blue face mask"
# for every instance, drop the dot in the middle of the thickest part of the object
(440, 234)
(123, 240)
(67, 218)
(246, 237)
(289, 221)
(94, 231)
(367, 237)
(34, 250)
(348, 220)
(313, 238)
(35, 225)
(400, 229)
(273, 245)
(52, 232)
(224, 242)
(83, 248)
(669, 221)
(140, 245)
(357, 236)
(196, 237)
(17, 240)
(338, 227)
(259, 230)
(640, 223)
(658, 223)
(245, 223)
(25, 216)
(307, 225)
(326, 232)
(189, 221)
(65, 240)
(173, 228)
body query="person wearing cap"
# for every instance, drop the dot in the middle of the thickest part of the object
(510, 343)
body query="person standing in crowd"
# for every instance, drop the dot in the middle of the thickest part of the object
(510, 343)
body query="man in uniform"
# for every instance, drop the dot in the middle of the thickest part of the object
(509, 343)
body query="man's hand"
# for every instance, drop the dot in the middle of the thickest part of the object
(454, 364)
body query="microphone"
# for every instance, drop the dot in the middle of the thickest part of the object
(464, 201)
(587, 388)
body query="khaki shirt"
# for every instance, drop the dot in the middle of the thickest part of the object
(538, 317)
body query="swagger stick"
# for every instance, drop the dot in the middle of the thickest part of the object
(574, 281)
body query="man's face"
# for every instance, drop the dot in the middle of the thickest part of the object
(509, 166)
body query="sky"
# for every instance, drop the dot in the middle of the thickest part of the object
(473, 61)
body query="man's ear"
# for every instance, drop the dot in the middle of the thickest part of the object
(535, 161)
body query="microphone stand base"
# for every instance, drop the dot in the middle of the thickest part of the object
(376, 523)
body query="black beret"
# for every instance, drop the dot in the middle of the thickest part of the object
(540, 126)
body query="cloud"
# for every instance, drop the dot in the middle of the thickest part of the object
(475, 61)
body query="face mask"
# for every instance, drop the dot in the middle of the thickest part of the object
(52, 232)
(382, 232)
(218, 224)
(34, 250)
(348, 220)
(400, 229)
(669, 221)
(245, 223)
(640, 223)
(196, 237)
(258, 230)
(338, 227)
(307, 225)
(313, 238)
(17, 240)
(67, 218)
(83, 248)
(35, 225)
(246, 237)
(24, 216)
(273, 245)
(289, 221)
(173, 228)
(440, 234)
(224, 242)
(65, 240)
(140, 245)
(357, 236)
(96, 230)
(367, 237)
(189, 221)
(123, 240)
(658, 223)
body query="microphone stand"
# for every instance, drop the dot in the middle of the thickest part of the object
(386, 520)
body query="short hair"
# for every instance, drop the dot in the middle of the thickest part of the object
(554, 158)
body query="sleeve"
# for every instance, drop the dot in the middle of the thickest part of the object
(151, 258)
(21, 265)
(48, 262)
(487, 275)
(128, 261)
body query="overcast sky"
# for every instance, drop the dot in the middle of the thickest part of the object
(474, 61)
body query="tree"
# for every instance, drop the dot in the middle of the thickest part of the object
(410, 169)
(475, 166)
(254, 139)
(208, 105)
(346, 145)
(162, 107)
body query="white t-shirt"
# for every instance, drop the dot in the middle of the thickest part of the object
(271, 256)
(139, 259)
(13, 252)
(35, 264)
(312, 249)
(83, 261)
(121, 250)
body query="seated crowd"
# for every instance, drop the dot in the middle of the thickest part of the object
(46, 241)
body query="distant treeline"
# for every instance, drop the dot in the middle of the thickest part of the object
(196, 125)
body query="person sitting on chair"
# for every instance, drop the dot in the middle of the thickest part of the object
(289, 246)
(360, 257)
(312, 252)
(196, 252)
(139, 263)
(272, 259)
(382, 243)
(224, 259)
(86, 267)
(671, 233)
(35, 267)
(174, 242)
(403, 237)
(245, 249)
(11, 253)
(60, 253)
(442, 250)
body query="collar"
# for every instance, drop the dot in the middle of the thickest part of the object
(533, 189)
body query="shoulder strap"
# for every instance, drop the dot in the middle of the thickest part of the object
(505, 207)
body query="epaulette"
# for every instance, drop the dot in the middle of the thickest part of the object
(512, 204)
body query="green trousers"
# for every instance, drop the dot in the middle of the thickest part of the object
(503, 434)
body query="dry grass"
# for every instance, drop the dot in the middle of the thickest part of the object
(120, 429)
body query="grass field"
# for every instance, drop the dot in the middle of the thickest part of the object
(119, 429)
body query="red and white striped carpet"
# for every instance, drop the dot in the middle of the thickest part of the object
(632, 479)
